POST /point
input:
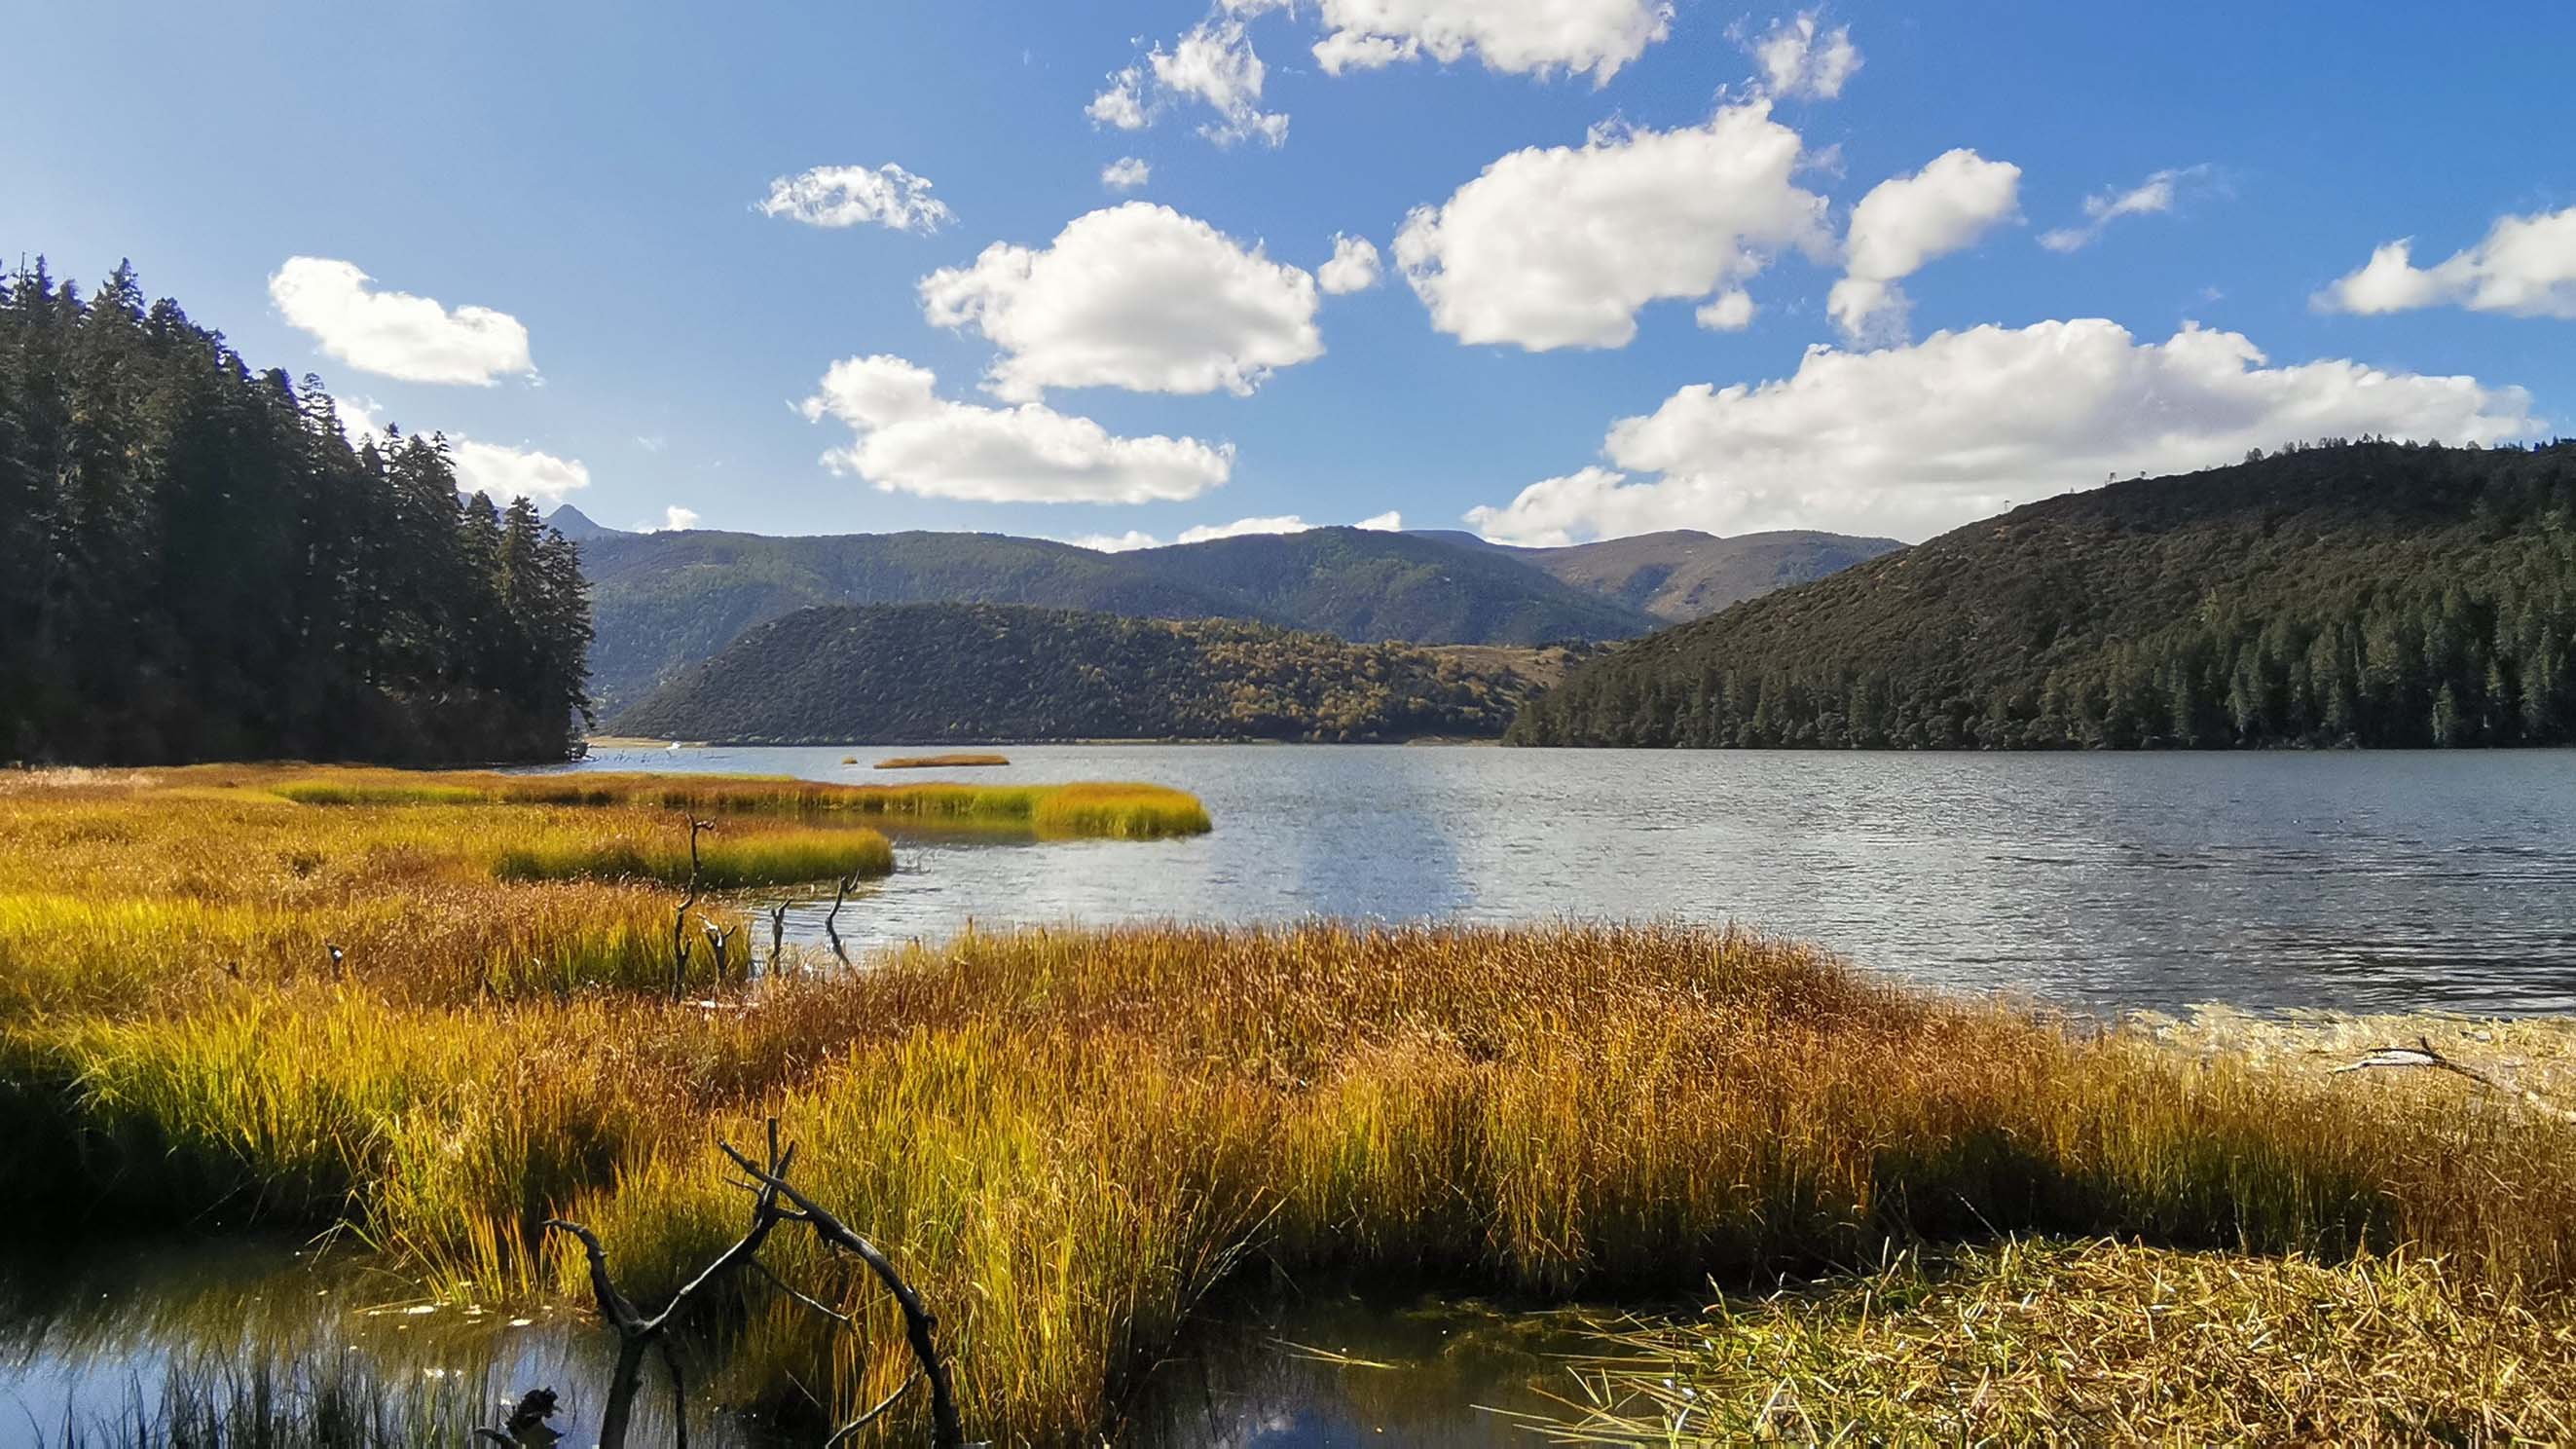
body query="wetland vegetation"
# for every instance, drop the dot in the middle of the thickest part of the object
(1070, 1138)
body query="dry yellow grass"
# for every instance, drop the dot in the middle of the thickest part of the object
(1069, 1137)
(2094, 1342)
(938, 762)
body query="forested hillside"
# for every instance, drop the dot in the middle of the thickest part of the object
(667, 600)
(966, 673)
(195, 563)
(2369, 593)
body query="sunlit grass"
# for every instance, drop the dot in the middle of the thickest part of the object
(1069, 1137)
(723, 862)
(1125, 811)
(2095, 1342)
(936, 762)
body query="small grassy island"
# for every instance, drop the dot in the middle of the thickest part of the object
(942, 762)
(416, 1006)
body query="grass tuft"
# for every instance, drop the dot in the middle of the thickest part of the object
(937, 762)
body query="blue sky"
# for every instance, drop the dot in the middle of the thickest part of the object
(592, 172)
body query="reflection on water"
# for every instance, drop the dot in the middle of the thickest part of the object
(118, 1332)
(1339, 1368)
(2356, 881)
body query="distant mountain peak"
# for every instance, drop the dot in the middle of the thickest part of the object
(576, 525)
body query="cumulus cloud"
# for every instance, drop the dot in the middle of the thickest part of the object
(396, 334)
(1905, 222)
(675, 519)
(839, 196)
(1913, 440)
(493, 469)
(1135, 296)
(2525, 267)
(1799, 58)
(2155, 194)
(1389, 522)
(1354, 267)
(910, 440)
(1594, 37)
(1213, 65)
(1122, 104)
(1561, 246)
(1728, 312)
(506, 472)
(1126, 174)
(1127, 542)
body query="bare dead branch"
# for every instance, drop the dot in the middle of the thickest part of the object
(2423, 1056)
(832, 921)
(947, 1432)
(842, 1434)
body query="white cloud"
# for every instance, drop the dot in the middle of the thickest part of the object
(1561, 246)
(493, 469)
(675, 519)
(2525, 267)
(1136, 296)
(1354, 267)
(1388, 522)
(395, 333)
(1515, 36)
(506, 472)
(1126, 174)
(1731, 311)
(910, 440)
(1127, 542)
(838, 196)
(1244, 527)
(1907, 221)
(1122, 105)
(1214, 64)
(2155, 194)
(1799, 59)
(1913, 440)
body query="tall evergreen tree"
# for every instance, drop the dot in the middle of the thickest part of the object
(195, 563)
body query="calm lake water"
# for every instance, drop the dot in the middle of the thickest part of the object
(2351, 881)
(2381, 881)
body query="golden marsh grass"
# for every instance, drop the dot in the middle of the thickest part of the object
(1068, 1138)
(937, 762)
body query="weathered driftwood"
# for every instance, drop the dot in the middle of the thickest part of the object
(832, 919)
(2423, 1057)
(774, 1201)
(920, 1326)
(680, 919)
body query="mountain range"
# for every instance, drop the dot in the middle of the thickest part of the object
(663, 601)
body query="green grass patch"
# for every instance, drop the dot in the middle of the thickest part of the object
(724, 862)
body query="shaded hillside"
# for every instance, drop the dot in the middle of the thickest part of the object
(1683, 574)
(966, 673)
(2372, 594)
(1363, 584)
(666, 600)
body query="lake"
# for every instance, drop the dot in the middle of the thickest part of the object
(2353, 881)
